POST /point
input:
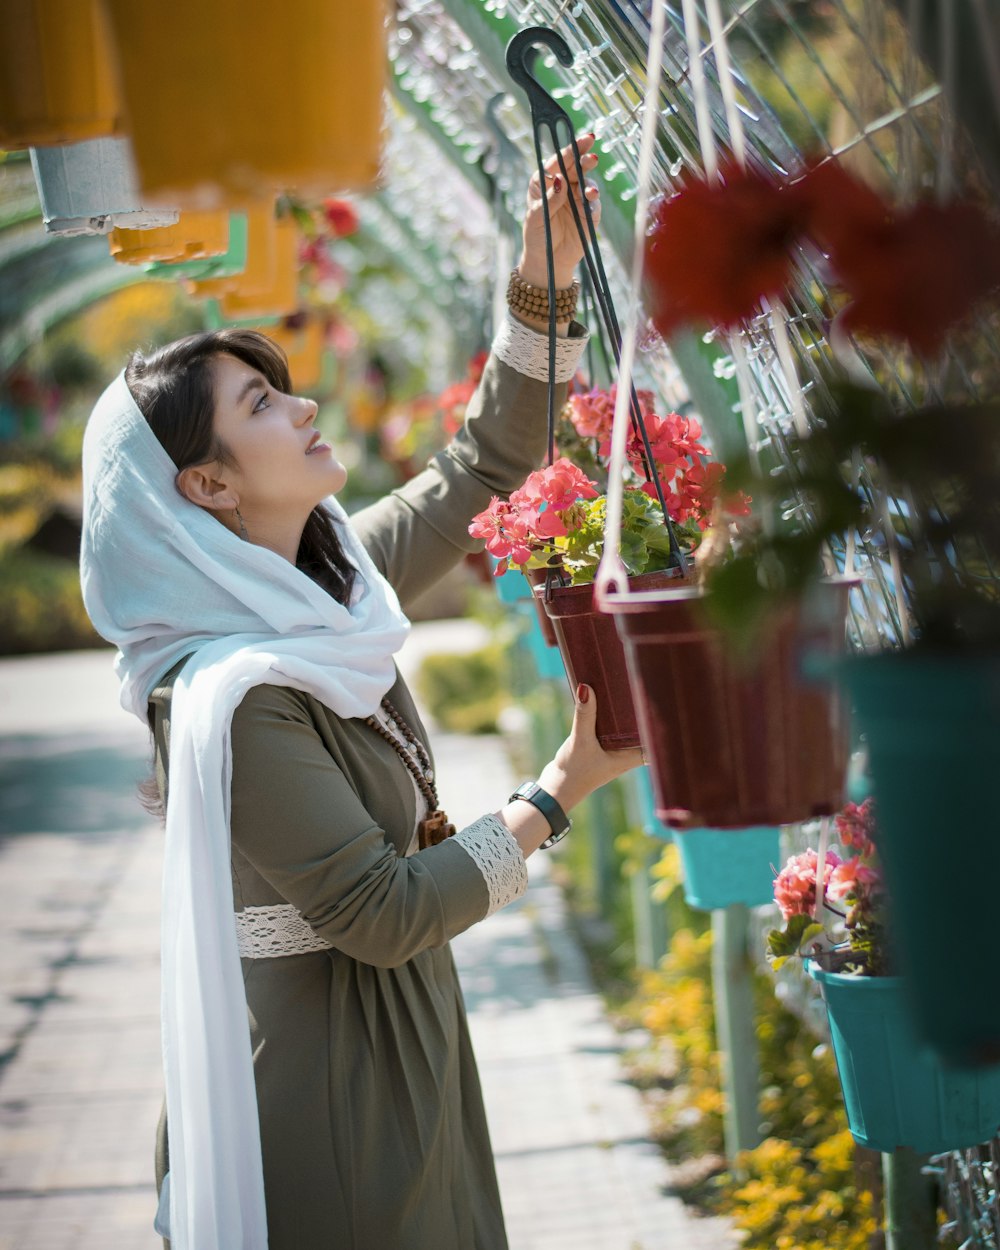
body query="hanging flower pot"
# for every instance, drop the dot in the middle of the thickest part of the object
(546, 659)
(734, 744)
(932, 726)
(897, 1092)
(89, 187)
(194, 236)
(593, 654)
(57, 73)
(723, 867)
(206, 135)
(302, 339)
(226, 264)
(268, 286)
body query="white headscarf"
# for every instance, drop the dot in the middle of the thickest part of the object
(163, 578)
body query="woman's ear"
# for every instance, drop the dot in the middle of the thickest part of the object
(202, 485)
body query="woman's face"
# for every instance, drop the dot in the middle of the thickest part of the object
(282, 469)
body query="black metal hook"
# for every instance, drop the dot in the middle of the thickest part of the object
(521, 54)
(547, 113)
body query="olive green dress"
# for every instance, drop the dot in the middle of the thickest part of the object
(372, 1124)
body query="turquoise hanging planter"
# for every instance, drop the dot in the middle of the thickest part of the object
(932, 726)
(727, 866)
(897, 1092)
(513, 587)
(232, 262)
(547, 660)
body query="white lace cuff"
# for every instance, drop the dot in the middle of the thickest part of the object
(527, 351)
(498, 857)
(271, 932)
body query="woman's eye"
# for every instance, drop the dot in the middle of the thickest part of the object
(261, 403)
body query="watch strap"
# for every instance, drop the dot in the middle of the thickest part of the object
(559, 822)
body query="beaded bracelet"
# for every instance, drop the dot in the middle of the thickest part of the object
(533, 301)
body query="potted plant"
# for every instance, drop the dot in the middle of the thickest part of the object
(552, 528)
(911, 279)
(897, 1092)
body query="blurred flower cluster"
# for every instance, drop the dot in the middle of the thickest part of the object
(910, 273)
(846, 931)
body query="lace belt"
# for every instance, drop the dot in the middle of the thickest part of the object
(271, 932)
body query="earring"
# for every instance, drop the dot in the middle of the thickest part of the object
(243, 526)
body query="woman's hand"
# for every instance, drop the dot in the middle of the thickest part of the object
(567, 249)
(580, 767)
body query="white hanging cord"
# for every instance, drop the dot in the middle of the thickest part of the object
(726, 78)
(699, 91)
(824, 842)
(611, 572)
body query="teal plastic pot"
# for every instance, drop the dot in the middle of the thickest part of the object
(932, 726)
(898, 1092)
(547, 660)
(723, 867)
(513, 587)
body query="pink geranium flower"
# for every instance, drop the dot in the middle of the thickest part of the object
(856, 826)
(854, 879)
(795, 885)
(535, 513)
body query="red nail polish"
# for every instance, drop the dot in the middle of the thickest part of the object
(582, 693)
(557, 183)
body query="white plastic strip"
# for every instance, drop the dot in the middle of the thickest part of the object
(824, 842)
(611, 573)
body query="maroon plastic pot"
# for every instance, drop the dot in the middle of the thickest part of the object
(537, 578)
(593, 654)
(734, 743)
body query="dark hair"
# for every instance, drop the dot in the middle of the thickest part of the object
(173, 389)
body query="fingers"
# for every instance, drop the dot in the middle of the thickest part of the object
(588, 161)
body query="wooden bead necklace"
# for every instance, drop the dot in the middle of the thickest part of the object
(435, 827)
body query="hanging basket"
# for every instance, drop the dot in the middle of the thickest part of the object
(90, 187)
(592, 653)
(195, 236)
(932, 725)
(207, 134)
(547, 661)
(723, 867)
(268, 286)
(734, 745)
(897, 1092)
(303, 346)
(57, 73)
(226, 264)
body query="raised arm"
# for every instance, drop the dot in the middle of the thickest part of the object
(420, 531)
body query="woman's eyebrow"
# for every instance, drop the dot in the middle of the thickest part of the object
(254, 383)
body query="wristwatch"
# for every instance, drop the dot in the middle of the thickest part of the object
(559, 822)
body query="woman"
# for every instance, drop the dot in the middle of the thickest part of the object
(256, 628)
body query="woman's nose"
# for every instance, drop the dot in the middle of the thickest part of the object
(309, 409)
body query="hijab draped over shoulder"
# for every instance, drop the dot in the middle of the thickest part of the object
(163, 579)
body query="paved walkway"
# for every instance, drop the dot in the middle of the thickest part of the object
(80, 1082)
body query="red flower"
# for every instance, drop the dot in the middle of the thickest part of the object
(913, 273)
(714, 251)
(341, 216)
(922, 274)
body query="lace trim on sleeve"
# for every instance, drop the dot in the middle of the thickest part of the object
(527, 351)
(498, 857)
